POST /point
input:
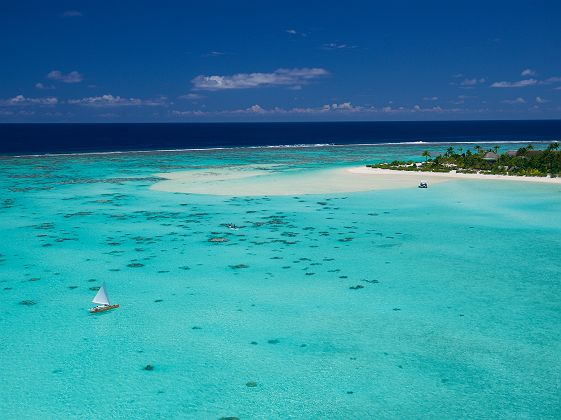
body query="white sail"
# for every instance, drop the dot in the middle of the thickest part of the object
(101, 296)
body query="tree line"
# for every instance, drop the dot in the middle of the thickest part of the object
(526, 161)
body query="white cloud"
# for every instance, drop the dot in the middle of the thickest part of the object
(430, 98)
(294, 32)
(71, 13)
(518, 84)
(344, 108)
(191, 96)
(516, 101)
(43, 87)
(106, 101)
(337, 46)
(472, 82)
(541, 100)
(528, 72)
(177, 113)
(20, 100)
(214, 54)
(72, 77)
(280, 77)
(256, 109)
(550, 80)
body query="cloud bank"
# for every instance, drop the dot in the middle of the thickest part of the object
(72, 77)
(20, 100)
(105, 101)
(518, 84)
(344, 108)
(281, 77)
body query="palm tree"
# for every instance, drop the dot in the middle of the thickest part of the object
(529, 147)
(426, 154)
(553, 146)
(496, 149)
(477, 148)
(450, 151)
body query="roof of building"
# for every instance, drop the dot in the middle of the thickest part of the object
(490, 156)
(528, 153)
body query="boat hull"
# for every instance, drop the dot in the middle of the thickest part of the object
(103, 308)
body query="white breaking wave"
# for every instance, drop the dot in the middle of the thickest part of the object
(285, 146)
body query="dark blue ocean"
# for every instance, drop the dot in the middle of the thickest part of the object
(69, 138)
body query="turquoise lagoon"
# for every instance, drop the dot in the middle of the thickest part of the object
(437, 303)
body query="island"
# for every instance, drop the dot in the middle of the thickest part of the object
(526, 161)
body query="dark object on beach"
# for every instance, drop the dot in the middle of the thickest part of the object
(149, 367)
(251, 384)
(28, 302)
(274, 341)
(423, 184)
(196, 328)
(358, 286)
(135, 265)
(158, 300)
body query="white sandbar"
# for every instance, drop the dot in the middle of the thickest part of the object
(260, 180)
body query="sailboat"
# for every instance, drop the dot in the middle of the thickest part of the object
(102, 301)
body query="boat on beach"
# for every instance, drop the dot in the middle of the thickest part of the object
(102, 301)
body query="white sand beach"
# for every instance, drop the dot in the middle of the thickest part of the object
(249, 180)
(432, 176)
(258, 180)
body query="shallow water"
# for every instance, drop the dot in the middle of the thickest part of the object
(443, 302)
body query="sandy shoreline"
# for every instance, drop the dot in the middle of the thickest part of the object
(250, 181)
(257, 180)
(363, 170)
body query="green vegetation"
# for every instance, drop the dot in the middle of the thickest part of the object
(523, 162)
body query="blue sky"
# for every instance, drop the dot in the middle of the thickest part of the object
(181, 61)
